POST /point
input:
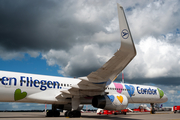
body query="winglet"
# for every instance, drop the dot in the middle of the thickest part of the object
(111, 69)
(127, 43)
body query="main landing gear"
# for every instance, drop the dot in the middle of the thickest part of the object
(153, 109)
(74, 113)
(53, 113)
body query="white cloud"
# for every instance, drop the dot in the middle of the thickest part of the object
(155, 58)
(172, 91)
(154, 19)
(80, 58)
(33, 53)
(9, 55)
(102, 37)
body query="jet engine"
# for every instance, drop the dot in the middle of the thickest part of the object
(110, 102)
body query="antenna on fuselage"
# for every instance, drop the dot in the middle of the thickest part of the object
(122, 77)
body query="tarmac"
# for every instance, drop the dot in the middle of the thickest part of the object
(89, 116)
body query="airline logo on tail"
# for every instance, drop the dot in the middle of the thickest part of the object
(125, 34)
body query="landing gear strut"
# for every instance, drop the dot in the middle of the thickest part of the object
(74, 113)
(152, 110)
(53, 112)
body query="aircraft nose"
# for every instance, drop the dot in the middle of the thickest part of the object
(165, 98)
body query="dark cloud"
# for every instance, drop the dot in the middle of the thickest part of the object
(42, 25)
(61, 31)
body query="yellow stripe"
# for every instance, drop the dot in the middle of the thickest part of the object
(114, 78)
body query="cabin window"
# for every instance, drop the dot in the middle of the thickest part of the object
(0, 79)
(64, 84)
(68, 85)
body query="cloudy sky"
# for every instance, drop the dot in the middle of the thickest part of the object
(72, 38)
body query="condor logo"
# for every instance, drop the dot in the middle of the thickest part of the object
(146, 91)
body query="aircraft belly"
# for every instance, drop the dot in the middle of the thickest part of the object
(7, 94)
(144, 99)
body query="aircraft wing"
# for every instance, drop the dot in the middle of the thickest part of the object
(95, 82)
(121, 58)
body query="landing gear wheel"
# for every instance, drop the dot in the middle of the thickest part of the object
(56, 113)
(51, 113)
(77, 113)
(66, 114)
(74, 113)
(70, 114)
(152, 111)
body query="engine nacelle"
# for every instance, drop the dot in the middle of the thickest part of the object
(110, 102)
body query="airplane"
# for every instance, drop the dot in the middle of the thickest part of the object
(97, 88)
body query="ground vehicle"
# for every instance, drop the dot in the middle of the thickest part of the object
(110, 112)
(176, 108)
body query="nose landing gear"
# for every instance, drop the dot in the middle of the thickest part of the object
(153, 109)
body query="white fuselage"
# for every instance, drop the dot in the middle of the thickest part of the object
(137, 93)
(45, 89)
